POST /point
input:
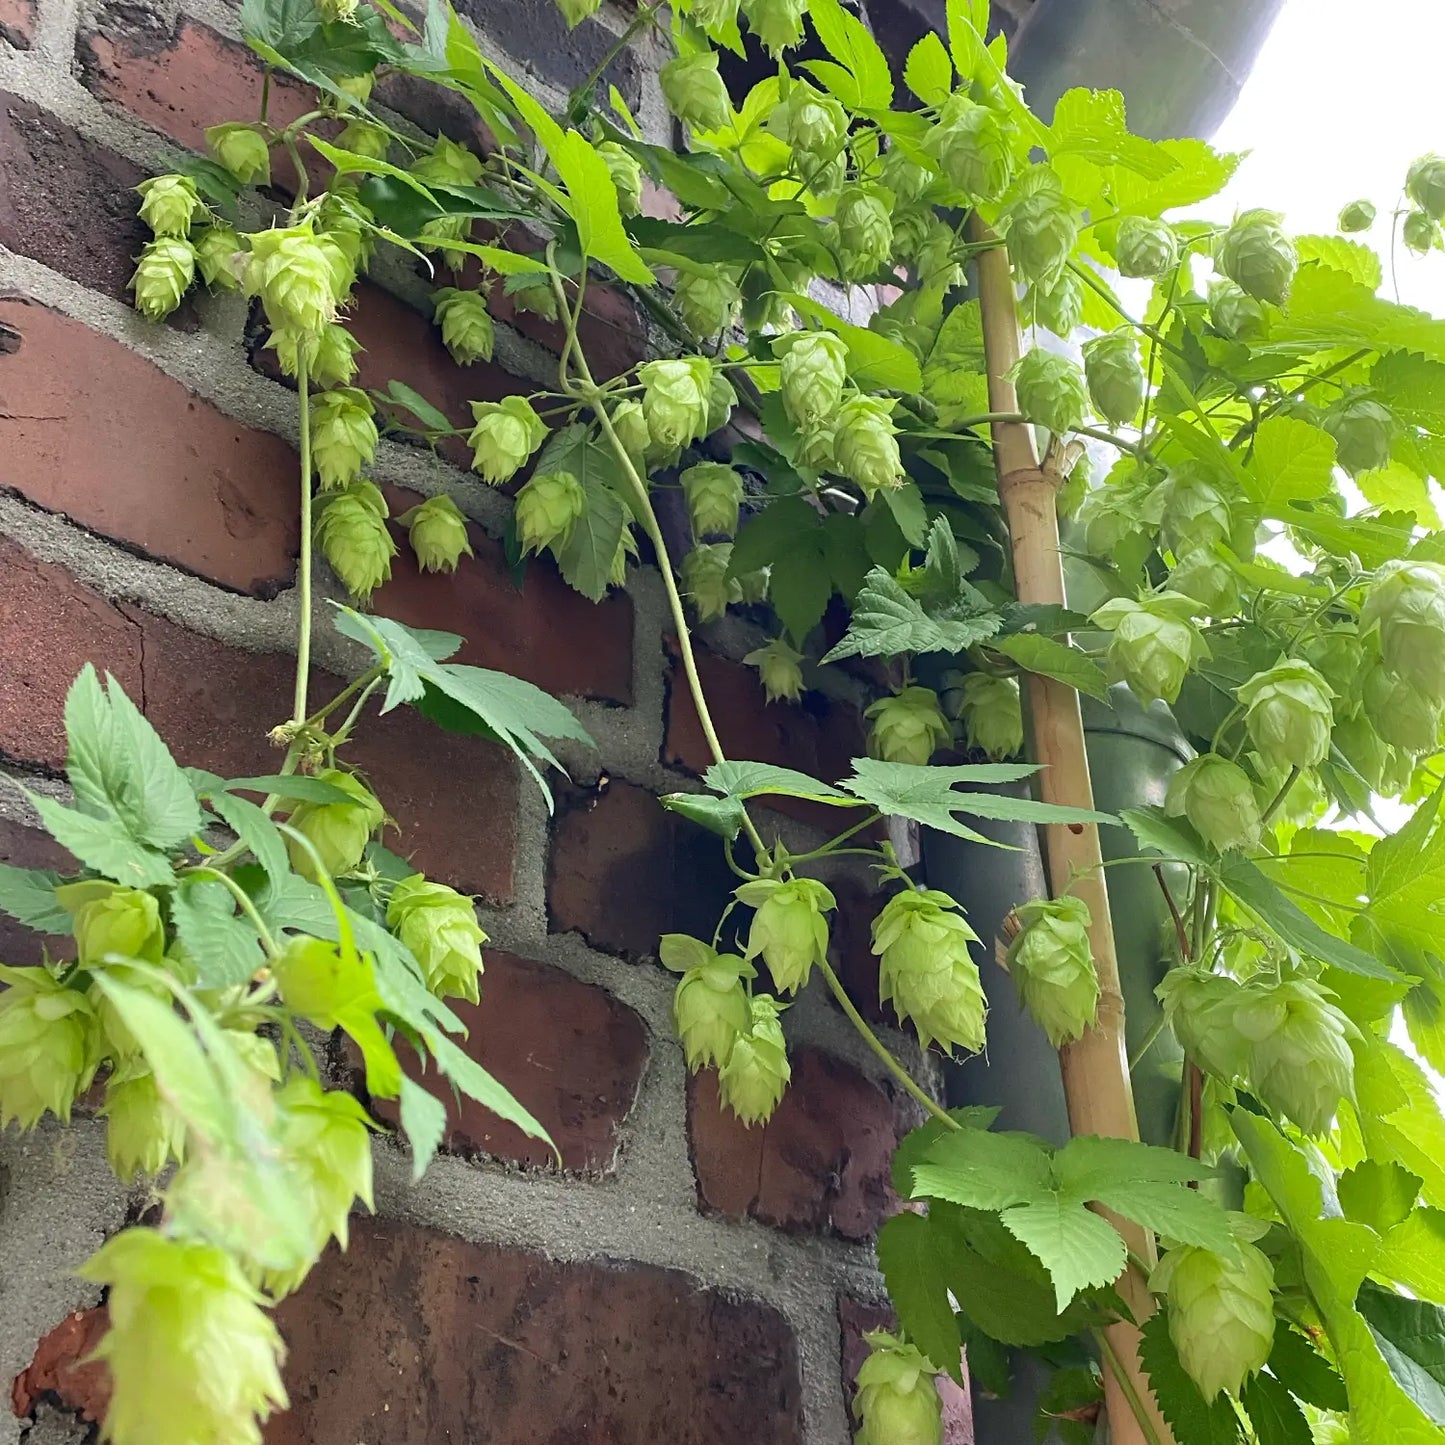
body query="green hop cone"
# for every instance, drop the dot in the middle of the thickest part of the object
(506, 433)
(705, 580)
(1233, 313)
(1060, 307)
(109, 919)
(1221, 1313)
(911, 232)
(992, 715)
(1288, 714)
(358, 87)
(547, 509)
(364, 139)
(717, 17)
(189, 1343)
(164, 274)
(242, 150)
(924, 968)
(1155, 643)
(1338, 655)
(812, 374)
(330, 357)
(1194, 511)
(1257, 256)
(533, 294)
(1425, 185)
(437, 531)
(1406, 604)
(630, 424)
(675, 400)
(708, 300)
(1301, 1064)
(1217, 798)
(339, 832)
(780, 670)
(721, 399)
(812, 124)
(710, 1006)
(1399, 712)
(439, 926)
(752, 1078)
(1053, 967)
(1199, 1006)
(447, 164)
(817, 449)
(465, 324)
(865, 230)
(1363, 431)
(1115, 377)
(1145, 247)
(1040, 228)
(143, 1134)
(904, 176)
(49, 1046)
(626, 173)
(1420, 232)
(897, 1402)
(778, 24)
(695, 92)
(788, 929)
(343, 434)
(908, 728)
(1209, 580)
(1050, 390)
(218, 257)
(1357, 216)
(865, 444)
(714, 492)
(574, 12)
(292, 273)
(938, 258)
(169, 204)
(971, 148)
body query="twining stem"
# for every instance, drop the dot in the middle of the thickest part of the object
(1277, 802)
(303, 564)
(830, 848)
(243, 898)
(1125, 1381)
(1147, 1043)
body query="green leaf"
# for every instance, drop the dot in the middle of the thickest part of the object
(1398, 488)
(1274, 1413)
(723, 816)
(928, 71)
(847, 40)
(1293, 1359)
(476, 1083)
(706, 243)
(1378, 1193)
(955, 375)
(1328, 308)
(1091, 124)
(400, 394)
(586, 558)
(887, 621)
(1413, 1254)
(984, 1170)
(1357, 260)
(1412, 387)
(1059, 660)
(1411, 1337)
(285, 785)
(104, 844)
(751, 780)
(28, 896)
(1193, 1420)
(908, 1247)
(906, 504)
(224, 947)
(1399, 1114)
(280, 23)
(424, 1120)
(1079, 1248)
(800, 597)
(1171, 837)
(1293, 462)
(256, 830)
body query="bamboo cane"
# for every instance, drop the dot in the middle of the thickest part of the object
(1095, 1069)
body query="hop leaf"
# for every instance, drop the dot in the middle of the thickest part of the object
(169, 204)
(338, 831)
(1040, 228)
(780, 668)
(1116, 380)
(1357, 216)
(506, 433)
(437, 531)
(1053, 967)
(925, 969)
(1155, 643)
(709, 300)
(1288, 715)
(865, 230)
(547, 509)
(626, 172)
(1050, 390)
(675, 399)
(897, 1401)
(242, 150)
(343, 434)
(788, 929)
(778, 24)
(218, 257)
(710, 1007)
(439, 926)
(865, 444)
(466, 327)
(1425, 185)
(329, 357)
(1399, 712)
(352, 533)
(295, 277)
(164, 273)
(1257, 256)
(1233, 313)
(1218, 799)
(1145, 247)
(970, 146)
(752, 1080)
(714, 492)
(695, 92)
(143, 1134)
(908, 728)
(49, 1047)
(1405, 604)
(1363, 430)
(705, 580)
(721, 399)
(1199, 1006)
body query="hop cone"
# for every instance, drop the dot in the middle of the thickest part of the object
(865, 230)
(812, 124)
(714, 492)
(789, 929)
(905, 177)
(506, 433)
(1233, 313)
(535, 296)
(338, 831)
(49, 1047)
(706, 582)
(189, 1343)
(716, 17)
(709, 300)
(908, 728)
(293, 275)
(1402, 715)
(626, 173)
(1425, 185)
(752, 1079)
(1288, 715)
(547, 509)
(778, 24)
(675, 400)
(169, 204)
(865, 444)
(1053, 967)
(1420, 233)
(897, 1401)
(1060, 307)
(1357, 216)
(1257, 256)
(721, 399)
(164, 273)
(1155, 643)
(695, 92)
(1338, 655)
(1050, 390)
(817, 449)
(143, 1134)
(1406, 603)
(1115, 378)
(710, 1006)
(466, 326)
(351, 531)
(924, 968)
(574, 12)
(1194, 512)
(365, 139)
(780, 668)
(1363, 431)
(1209, 580)
(1200, 1008)
(438, 534)
(243, 151)
(217, 252)
(813, 371)
(630, 424)
(992, 715)
(1145, 247)
(343, 434)
(330, 357)
(1217, 797)
(447, 164)
(1365, 751)
(108, 919)
(971, 148)
(1040, 229)
(439, 926)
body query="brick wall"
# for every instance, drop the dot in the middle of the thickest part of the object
(679, 1278)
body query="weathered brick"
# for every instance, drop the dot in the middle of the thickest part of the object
(543, 631)
(95, 431)
(22, 847)
(17, 22)
(820, 1163)
(623, 871)
(571, 1054)
(62, 1368)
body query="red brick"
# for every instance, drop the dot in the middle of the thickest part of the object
(97, 432)
(543, 631)
(820, 1163)
(22, 847)
(63, 1370)
(572, 1054)
(624, 870)
(17, 22)
(856, 1319)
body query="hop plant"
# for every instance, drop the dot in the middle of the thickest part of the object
(343, 434)
(1053, 967)
(924, 968)
(721, 399)
(169, 204)
(164, 274)
(695, 92)
(971, 148)
(1288, 714)
(705, 580)
(812, 124)
(1059, 308)
(752, 1078)
(1425, 185)
(1420, 232)
(714, 492)
(1209, 580)
(626, 551)
(293, 275)
(865, 230)
(902, 175)
(143, 1134)
(1040, 227)
(709, 300)
(817, 449)
(243, 151)
(1145, 247)
(439, 926)
(364, 139)
(339, 832)
(788, 929)
(49, 1046)
(710, 1006)
(717, 17)
(1050, 390)
(217, 252)
(778, 24)
(865, 444)
(1300, 1062)
(437, 531)
(1199, 1006)
(1338, 655)
(447, 164)
(630, 424)
(897, 1401)
(534, 294)
(1405, 605)
(574, 12)
(466, 326)
(1194, 512)
(1234, 313)
(1221, 1312)
(329, 357)
(780, 669)
(547, 509)
(908, 728)
(1399, 712)
(1115, 378)
(506, 433)
(1357, 216)
(1155, 643)
(813, 372)
(626, 173)
(108, 919)
(189, 1342)
(675, 400)
(1257, 256)
(1363, 430)
(992, 714)
(1218, 799)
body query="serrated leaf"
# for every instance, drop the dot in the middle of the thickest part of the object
(887, 622)
(874, 362)
(105, 845)
(1328, 308)
(223, 946)
(476, 1083)
(1380, 1193)
(1410, 1335)
(908, 1254)
(799, 595)
(913, 1148)
(1193, 1420)
(585, 559)
(847, 40)
(1292, 462)
(928, 72)
(1358, 261)
(28, 896)
(1079, 1248)
(984, 1170)
(750, 780)
(1091, 124)
(1413, 1254)
(414, 402)
(1412, 387)
(723, 816)
(1058, 660)
(1293, 1359)
(293, 786)
(906, 504)
(253, 828)
(424, 1121)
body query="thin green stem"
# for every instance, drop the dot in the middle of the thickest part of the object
(1147, 1042)
(303, 563)
(1152, 355)
(265, 94)
(1126, 1384)
(1277, 802)
(344, 731)
(577, 106)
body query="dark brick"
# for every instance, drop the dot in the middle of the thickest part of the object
(17, 22)
(62, 1369)
(95, 431)
(820, 1163)
(22, 847)
(623, 871)
(571, 1054)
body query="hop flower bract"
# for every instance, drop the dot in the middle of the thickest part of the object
(1217, 797)
(780, 668)
(506, 433)
(49, 1046)
(352, 533)
(1257, 256)
(925, 969)
(1052, 965)
(752, 1079)
(1288, 714)
(788, 929)
(908, 728)
(466, 326)
(338, 831)
(1050, 390)
(439, 926)
(437, 531)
